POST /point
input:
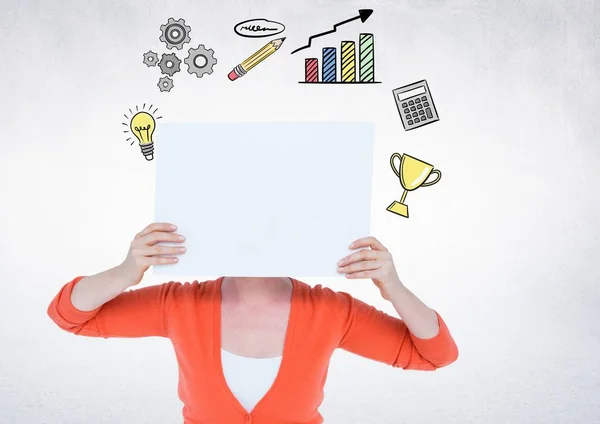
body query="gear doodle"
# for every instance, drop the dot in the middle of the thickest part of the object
(169, 64)
(150, 58)
(201, 54)
(165, 84)
(175, 33)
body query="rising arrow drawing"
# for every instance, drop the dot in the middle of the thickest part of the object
(363, 15)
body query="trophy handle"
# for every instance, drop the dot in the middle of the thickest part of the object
(439, 175)
(399, 156)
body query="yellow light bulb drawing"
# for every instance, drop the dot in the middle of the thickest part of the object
(142, 126)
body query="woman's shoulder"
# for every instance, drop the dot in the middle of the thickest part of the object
(333, 300)
(321, 291)
(189, 291)
(189, 286)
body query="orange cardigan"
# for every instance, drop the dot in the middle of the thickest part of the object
(321, 320)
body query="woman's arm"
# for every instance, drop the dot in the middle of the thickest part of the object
(418, 340)
(422, 321)
(93, 291)
(134, 313)
(98, 305)
(373, 334)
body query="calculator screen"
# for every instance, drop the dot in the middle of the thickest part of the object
(411, 93)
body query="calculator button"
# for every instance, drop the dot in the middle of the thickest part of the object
(424, 98)
(421, 112)
(411, 103)
(426, 104)
(404, 104)
(408, 117)
(419, 106)
(406, 110)
(416, 119)
(429, 114)
(417, 100)
(410, 122)
(413, 108)
(423, 118)
(415, 114)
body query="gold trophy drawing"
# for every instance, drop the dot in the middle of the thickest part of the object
(413, 173)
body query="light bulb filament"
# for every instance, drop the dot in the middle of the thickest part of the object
(144, 133)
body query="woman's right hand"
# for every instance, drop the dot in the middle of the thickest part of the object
(144, 250)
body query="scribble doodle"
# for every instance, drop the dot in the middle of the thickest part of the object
(257, 28)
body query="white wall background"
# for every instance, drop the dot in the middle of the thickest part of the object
(506, 246)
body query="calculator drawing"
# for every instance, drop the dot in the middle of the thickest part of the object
(415, 105)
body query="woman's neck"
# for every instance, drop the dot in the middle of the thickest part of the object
(256, 290)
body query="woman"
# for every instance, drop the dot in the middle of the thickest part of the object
(255, 350)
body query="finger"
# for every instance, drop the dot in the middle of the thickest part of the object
(158, 260)
(370, 241)
(159, 236)
(162, 250)
(361, 266)
(361, 255)
(362, 274)
(156, 226)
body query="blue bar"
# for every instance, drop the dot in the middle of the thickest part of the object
(329, 64)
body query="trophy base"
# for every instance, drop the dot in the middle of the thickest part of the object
(398, 208)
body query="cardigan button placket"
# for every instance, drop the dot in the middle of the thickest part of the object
(248, 419)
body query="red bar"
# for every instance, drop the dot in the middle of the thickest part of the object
(311, 67)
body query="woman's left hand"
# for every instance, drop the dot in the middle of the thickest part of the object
(373, 261)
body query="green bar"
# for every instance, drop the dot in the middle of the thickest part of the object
(366, 64)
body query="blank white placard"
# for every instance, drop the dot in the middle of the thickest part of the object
(264, 199)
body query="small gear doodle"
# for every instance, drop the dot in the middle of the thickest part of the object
(169, 64)
(165, 84)
(175, 33)
(200, 60)
(150, 58)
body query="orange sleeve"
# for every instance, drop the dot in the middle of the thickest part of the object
(134, 313)
(373, 334)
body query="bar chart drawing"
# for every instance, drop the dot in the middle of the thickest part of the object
(355, 67)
